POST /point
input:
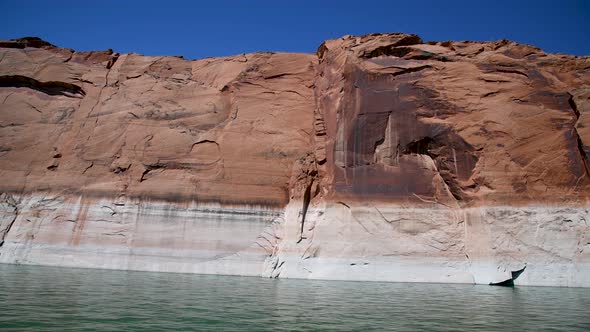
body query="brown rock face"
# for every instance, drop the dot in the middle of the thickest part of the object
(101, 123)
(455, 122)
(395, 119)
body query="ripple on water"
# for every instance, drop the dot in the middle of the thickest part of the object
(36, 298)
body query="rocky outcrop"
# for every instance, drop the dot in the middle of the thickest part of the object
(458, 123)
(381, 157)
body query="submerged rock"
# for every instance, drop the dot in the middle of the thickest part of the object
(510, 281)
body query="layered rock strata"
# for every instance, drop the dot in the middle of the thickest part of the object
(379, 158)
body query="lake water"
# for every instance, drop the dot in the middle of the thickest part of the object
(34, 298)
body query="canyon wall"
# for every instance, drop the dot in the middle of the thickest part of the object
(381, 157)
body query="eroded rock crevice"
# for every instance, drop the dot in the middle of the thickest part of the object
(149, 168)
(447, 166)
(304, 187)
(395, 48)
(583, 149)
(52, 88)
(8, 213)
(305, 207)
(421, 146)
(409, 70)
(270, 240)
(585, 158)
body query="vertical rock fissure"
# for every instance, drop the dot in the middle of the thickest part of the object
(574, 107)
(109, 65)
(583, 154)
(9, 200)
(580, 144)
(304, 208)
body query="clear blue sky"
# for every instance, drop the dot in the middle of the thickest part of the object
(197, 29)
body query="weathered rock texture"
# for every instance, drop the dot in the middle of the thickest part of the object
(379, 158)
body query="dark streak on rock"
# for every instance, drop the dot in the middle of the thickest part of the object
(580, 144)
(411, 70)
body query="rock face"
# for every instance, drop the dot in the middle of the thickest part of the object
(379, 158)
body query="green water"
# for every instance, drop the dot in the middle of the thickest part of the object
(58, 299)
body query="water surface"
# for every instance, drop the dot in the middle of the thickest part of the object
(34, 298)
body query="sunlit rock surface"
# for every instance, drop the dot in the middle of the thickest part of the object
(381, 157)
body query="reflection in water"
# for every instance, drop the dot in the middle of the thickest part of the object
(45, 298)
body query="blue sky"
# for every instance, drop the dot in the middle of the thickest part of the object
(197, 29)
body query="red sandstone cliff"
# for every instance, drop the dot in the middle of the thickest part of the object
(102, 123)
(373, 135)
(456, 122)
(393, 119)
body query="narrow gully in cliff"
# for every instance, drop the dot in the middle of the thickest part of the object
(583, 154)
(7, 229)
(394, 48)
(9, 200)
(304, 208)
(580, 144)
